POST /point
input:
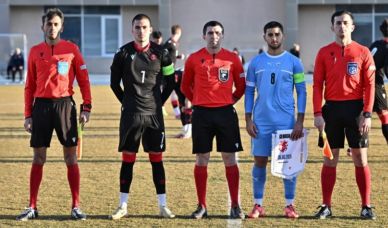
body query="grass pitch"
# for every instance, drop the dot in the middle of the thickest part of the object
(100, 168)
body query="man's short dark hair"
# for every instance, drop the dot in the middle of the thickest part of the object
(52, 12)
(340, 13)
(175, 28)
(212, 24)
(384, 27)
(141, 16)
(273, 24)
(156, 34)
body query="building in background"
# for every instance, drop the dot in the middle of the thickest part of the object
(99, 27)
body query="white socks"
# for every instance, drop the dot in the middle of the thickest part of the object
(123, 199)
(162, 200)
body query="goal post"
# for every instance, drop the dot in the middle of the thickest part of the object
(8, 43)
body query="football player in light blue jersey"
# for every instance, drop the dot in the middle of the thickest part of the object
(273, 75)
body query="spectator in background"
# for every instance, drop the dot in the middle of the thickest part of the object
(241, 57)
(295, 50)
(16, 64)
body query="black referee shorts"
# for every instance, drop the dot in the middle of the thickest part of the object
(49, 114)
(149, 129)
(221, 122)
(380, 99)
(342, 119)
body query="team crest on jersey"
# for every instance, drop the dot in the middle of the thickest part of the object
(63, 68)
(223, 75)
(352, 68)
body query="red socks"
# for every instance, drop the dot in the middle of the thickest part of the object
(35, 179)
(200, 176)
(73, 177)
(328, 177)
(363, 178)
(233, 177)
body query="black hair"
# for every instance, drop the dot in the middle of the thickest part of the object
(340, 13)
(141, 16)
(156, 34)
(384, 27)
(273, 24)
(212, 24)
(52, 12)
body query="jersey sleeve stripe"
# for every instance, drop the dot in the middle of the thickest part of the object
(168, 70)
(252, 84)
(299, 77)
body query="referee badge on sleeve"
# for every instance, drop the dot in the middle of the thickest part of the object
(352, 68)
(223, 75)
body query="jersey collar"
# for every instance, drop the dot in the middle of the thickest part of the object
(139, 48)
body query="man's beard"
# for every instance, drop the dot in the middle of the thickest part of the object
(275, 47)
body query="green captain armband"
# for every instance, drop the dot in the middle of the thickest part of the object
(299, 77)
(168, 70)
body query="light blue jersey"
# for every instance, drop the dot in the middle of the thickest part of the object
(273, 78)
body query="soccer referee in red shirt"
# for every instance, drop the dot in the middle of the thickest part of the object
(345, 73)
(52, 67)
(208, 80)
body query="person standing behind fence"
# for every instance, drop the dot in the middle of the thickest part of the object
(344, 73)
(214, 80)
(17, 64)
(52, 67)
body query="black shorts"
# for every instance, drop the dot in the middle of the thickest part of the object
(342, 118)
(49, 114)
(380, 99)
(221, 122)
(147, 128)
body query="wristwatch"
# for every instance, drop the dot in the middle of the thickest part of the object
(367, 115)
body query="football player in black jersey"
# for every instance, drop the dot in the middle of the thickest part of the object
(140, 66)
(181, 106)
(379, 51)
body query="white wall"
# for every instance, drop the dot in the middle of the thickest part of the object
(314, 32)
(243, 21)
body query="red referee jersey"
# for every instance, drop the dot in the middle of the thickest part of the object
(208, 79)
(51, 73)
(344, 73)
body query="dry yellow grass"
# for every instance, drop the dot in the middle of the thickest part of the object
(101, 163)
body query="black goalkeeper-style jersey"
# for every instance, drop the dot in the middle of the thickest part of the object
(379, 51)
(172, 49)
(141, 74)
